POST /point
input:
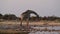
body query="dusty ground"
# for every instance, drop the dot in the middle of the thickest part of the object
(30, 23)
(24, 23)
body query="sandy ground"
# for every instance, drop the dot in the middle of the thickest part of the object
(24, 23)
(30, 23)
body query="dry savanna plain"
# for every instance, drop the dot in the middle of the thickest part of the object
(17, 24)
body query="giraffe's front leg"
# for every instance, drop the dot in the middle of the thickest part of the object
(21, 21)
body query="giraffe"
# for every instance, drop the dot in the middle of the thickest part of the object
(26, 15)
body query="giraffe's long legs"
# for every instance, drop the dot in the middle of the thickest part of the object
(21, 21)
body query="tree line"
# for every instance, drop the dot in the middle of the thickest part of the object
(14, 17)
(9, 17)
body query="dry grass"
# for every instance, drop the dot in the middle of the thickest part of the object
(30, 23)
(10, 31)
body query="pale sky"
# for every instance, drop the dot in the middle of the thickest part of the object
(42, 7)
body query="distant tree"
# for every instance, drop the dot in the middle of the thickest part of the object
(12, 17)
(44, 18)
(5, 17)
(9, 17)
(1, 16)
(52, 18)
